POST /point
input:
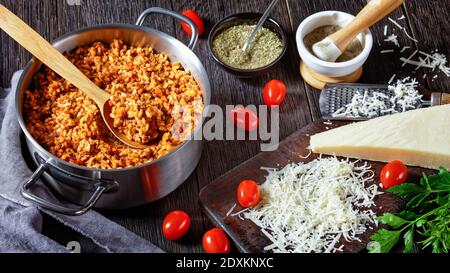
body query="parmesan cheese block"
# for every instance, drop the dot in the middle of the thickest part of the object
(418, 138)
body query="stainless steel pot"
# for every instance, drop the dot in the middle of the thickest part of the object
(117, 188)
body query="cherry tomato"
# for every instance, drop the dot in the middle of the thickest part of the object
(216, 241)
(176, 224)
(194, 18)
(274, 93)
(393, 174)
(244, 118)
(248, 193)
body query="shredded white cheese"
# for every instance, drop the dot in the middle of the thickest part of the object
(231, 210)
(312, 207)
(409, 36)
(267, 168)
(364, 105)
(392, 78)
(409, 58)
(386, 51)
(393, 39)
(404, 48)
(307, 155)
(395, 23)
(405, 97)
(431, 61)
(239, 212)
(402, 28)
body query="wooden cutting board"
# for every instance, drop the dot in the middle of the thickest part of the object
(219, 197)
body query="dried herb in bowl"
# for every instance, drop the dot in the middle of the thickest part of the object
(265, 48)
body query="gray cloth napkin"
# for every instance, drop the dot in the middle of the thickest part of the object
(21, 221)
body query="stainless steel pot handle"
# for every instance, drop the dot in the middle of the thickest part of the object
(194, 36)
(99, 189)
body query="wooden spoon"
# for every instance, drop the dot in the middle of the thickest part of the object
(51, 57)
(330, 48)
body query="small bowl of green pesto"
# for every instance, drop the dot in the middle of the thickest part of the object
(228, 36)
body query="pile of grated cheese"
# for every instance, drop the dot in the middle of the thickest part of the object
(310, 207)
(434, 61)
(405, 97)
(431, 61)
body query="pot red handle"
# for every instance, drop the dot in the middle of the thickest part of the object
(194, 36)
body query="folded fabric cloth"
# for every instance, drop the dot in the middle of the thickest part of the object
(21, 221)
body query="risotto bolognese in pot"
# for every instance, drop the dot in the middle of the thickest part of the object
(159, 92)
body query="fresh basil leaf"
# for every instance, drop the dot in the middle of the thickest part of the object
(407, 190)
(441, 186)
(384, 241)
(416, 200)
(427, 242)
(374, 247)
(421, 222)
(440, 181)
(409, 240)
(424, 181)
(444, 173)
(442, 199)
(408, 215)
(446, 242)
(437, 246)
(430, 199)
(392, 220)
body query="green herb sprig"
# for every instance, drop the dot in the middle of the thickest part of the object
(427, 217)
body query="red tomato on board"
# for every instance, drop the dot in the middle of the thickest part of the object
(274, 93)
(244, 119)
(393, 174)
(216, 241)
(248, 193)
(194, 18)
(176, 224)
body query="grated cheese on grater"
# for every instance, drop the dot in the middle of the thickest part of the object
(310, 207)
(405, 94)
(405, 98)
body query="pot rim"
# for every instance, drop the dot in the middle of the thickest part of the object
(205, 92)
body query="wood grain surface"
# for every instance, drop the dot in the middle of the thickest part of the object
(220, 196)
(425, 20)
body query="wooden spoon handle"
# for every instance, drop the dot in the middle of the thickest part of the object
(47, 54)
(373, 12)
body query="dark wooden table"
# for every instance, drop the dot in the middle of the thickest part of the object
(427, 21)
